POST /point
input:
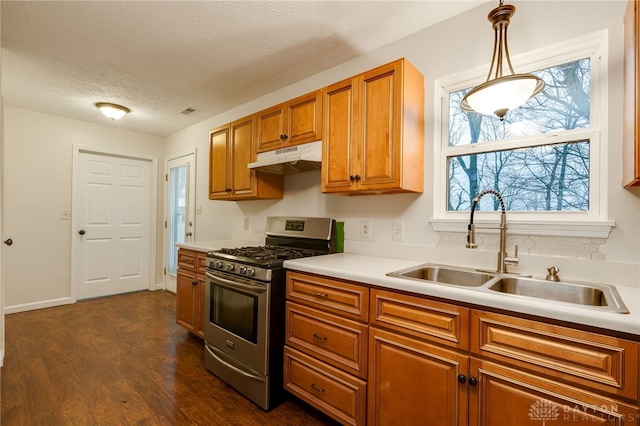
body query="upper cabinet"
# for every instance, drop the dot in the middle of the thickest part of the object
(291, 123)
(231, 150)
(373, 137)
(631, 130)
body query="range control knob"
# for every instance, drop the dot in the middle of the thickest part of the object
(243, 270)
(217, 264)
(251, 272)
(230, 267)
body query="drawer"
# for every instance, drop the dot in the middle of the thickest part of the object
(201, 262)
(582, 358)
(335, 296)
(334, 392)
(426, 319)
(335, 340)
(187, 259)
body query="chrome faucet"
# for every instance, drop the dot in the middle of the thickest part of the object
(503, 258)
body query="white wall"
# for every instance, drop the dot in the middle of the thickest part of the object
(37, 186)
(460, 44)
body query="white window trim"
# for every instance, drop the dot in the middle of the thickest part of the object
(595, 222)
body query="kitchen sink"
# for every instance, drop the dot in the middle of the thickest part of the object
(444, 275)
(600, 296)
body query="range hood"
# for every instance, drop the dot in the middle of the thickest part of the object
(293, 159)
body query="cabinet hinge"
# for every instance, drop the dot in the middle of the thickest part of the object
(165, 271)
(166, 178)
(165, 224)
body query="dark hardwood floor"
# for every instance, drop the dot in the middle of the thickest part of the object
(120, 360)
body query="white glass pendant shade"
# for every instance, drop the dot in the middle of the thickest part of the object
(112, 111)
(502, 94)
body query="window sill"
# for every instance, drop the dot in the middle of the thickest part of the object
(588, 229)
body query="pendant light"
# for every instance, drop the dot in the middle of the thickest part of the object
(112, 111)
(501, 93)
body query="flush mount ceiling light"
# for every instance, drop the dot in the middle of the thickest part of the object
(112, 111)
(501, 93)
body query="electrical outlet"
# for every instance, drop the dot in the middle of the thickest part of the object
(365, 230)
(397, 231)
(246, 223)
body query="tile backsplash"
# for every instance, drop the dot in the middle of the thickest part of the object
(569, 247)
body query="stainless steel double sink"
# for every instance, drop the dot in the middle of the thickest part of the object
(602, 297)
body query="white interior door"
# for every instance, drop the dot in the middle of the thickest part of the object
(180, 212)
(113, 203)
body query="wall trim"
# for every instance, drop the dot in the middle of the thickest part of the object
(32, 306)
(565, 228)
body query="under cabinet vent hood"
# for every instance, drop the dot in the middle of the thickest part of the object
(292, 159)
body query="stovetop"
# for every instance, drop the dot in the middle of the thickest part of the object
(263, 256)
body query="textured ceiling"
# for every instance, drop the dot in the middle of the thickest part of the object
(160, 57)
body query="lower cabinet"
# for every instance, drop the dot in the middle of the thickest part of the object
(190, 284)
(329, 389)
(506, 396)
(431, 362)
(412, 382)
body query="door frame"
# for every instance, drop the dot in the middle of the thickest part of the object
(153, 210)
(165, 236)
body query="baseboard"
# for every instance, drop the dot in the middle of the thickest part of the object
(37, 305)
(159, 286)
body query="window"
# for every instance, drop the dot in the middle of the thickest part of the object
(544, 157)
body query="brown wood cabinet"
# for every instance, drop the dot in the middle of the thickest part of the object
(631, 126)
(291, 123)
(439, 363)
(231, 150)
(326, 345)
(373, 138)
(190, 284)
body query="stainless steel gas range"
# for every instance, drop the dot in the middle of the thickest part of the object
(245, 303)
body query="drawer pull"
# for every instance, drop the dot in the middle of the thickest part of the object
(319, 337)
(316, 388)
(323, 295)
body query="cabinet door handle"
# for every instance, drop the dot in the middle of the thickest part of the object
(357, 177)
(462, 378)
(316, 388)
(284, 136)
(473, 381)
(319, 337)
(194, 282)
(323, 295)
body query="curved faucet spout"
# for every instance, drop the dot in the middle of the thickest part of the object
(503, 258)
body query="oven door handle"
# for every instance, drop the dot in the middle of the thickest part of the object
(212, 351)
(237, 285)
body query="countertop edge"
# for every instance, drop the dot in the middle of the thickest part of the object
(372, 270)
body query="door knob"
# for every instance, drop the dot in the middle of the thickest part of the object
(8, 241)
(188, 234)
(81, 232)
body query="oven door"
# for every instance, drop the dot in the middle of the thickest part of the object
(236, 318)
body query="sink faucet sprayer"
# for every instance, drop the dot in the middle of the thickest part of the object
(503, 258)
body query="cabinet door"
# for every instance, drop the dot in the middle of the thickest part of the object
(414, 383)
(379, 126)
(242, 178)
(198, 306)
(271, 125)
(506, 396)
(339, 153)
(218, 170)
(631, 122)
(186, 286)
(303, 119)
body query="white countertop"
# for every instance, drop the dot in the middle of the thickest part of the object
(216, 244)
(372, 270)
